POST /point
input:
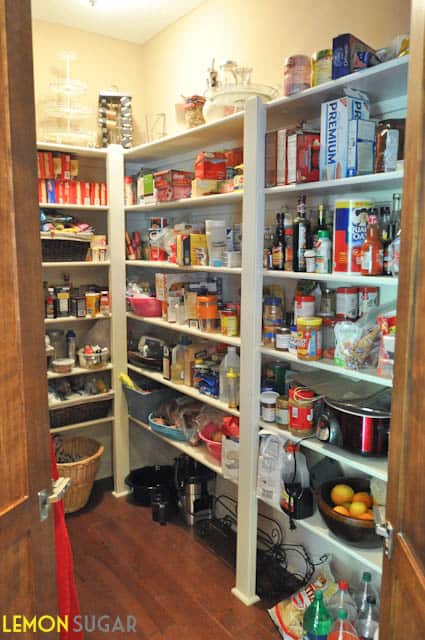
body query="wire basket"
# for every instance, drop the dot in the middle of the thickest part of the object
(79, 413)
(64, 249)
(82, 473)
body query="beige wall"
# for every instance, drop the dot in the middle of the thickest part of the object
(257, 33)
(102, 62)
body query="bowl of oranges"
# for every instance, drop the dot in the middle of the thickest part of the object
(346, 506)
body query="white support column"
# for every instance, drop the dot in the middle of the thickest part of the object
(251, 314)
(117, 280)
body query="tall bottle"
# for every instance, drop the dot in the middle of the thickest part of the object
(342, 628)
(177, 360)
(71, 345)
(278, 248)
(317, 619)
(289, 241)
(320, 224)
(365, 590)
(367, 623)
(343, 600)
(50, 304)
(230, 361)
(301, 230)
(372, 250)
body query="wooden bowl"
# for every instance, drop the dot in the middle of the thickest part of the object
(359, 533)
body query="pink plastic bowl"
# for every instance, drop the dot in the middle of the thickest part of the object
(147, 307)
(213, 447)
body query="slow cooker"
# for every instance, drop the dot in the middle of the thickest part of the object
(360, 429)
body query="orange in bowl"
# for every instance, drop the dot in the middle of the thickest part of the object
(341, 493)
(363, 496)
(357, 509)
(342, 510)
(368, 515)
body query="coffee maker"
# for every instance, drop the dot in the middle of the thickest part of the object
(191, 480)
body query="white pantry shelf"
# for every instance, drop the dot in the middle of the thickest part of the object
(371, 558)
(181, 328)
(385, 81)
(200, 453)
(229, 128)
(349, 278)
(77, 400)
(69, 319)
(375, 467)
(72, 207)
(82, 152)
(354, 185)
(72, 265)
(183, 388)
(154, 264)
(368, 375)
(83, 425)
(78, 371)
(188, 203)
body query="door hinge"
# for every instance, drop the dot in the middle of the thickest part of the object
(385, 529)
(45, 499)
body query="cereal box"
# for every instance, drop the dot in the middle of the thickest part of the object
(172, 185)
(350, 223)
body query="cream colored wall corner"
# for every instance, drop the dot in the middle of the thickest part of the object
(102, 62)
(259, 34)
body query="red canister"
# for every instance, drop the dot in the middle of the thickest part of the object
(301, 411)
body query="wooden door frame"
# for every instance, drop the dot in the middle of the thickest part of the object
(409, 372)
(21, 298)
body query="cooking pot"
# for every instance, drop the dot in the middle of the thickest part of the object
(360, 429)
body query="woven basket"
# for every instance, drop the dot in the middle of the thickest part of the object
(82, 473)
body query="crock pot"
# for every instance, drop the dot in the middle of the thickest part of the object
(362, 430)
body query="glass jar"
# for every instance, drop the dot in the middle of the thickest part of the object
(268, 406)
(322, 66)
(282, 338)
(272, 319)
(282, 411)
(193, 111)
(229, 322)
(207, 312)
(328, 302)
(328, 335)
(297, 74)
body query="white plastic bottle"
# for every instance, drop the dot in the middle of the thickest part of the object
(230, 361)
(323, 252)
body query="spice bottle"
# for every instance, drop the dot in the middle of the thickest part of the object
(372, 250)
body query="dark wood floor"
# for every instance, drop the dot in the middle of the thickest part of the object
(125, 564)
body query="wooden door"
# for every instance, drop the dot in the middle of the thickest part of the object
(27, 574)
(403, 589)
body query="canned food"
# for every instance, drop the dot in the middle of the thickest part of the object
(347, 303)
(301, 411)
(229, 323)
(368, 298)
(309, 338)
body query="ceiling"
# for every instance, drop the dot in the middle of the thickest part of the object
(131, 20)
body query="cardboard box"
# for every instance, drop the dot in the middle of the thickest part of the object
(201, 187)
(210, 165)
(271, 159)
(303, 148)
(350, 224)
(51, 191)
(234, 156)
(172, 185)
(198, 249)
(361, 147)
(351, 54)
(42, 192)
(335, 118)
(281, 158)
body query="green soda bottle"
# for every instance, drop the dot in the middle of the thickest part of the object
(317, 619)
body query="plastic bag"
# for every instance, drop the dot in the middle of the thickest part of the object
(288, 614)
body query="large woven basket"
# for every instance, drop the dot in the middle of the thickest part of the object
(82, 473)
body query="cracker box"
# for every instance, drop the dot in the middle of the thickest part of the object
(350, 224)
(303, 149)
(361, 147)
(335, 118)
(210, 165)
(203, 187)
(172, 185)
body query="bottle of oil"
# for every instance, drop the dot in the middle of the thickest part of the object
(301, 230)
(177, 360)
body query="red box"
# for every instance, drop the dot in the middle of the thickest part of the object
(172, 184)
(210, 165)
(234, 157)
(57, 165)
(302, 151)
(42, 194)
(271, 159)
(71, 192)
(66, 166)
(95, 194)
(45, 165)
(60, 192)
(83, 193)
(103, 194)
